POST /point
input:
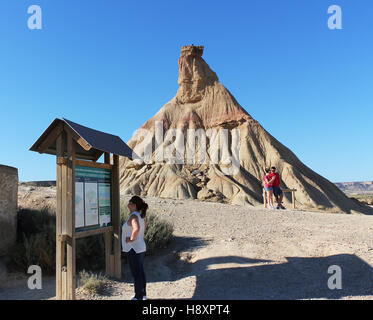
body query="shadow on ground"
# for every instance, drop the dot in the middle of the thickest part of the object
(20, 290)
(298, 278)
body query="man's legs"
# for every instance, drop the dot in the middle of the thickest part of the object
(279, 196)
(277, 199)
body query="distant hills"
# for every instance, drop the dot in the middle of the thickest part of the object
(51, 183)
(347, 187)
(356, 187)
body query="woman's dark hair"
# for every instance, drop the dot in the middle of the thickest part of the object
(267, 170)
(141, 205)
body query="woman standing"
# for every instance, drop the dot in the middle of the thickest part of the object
(133, 243)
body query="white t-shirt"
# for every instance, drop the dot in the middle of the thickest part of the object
(139, 244)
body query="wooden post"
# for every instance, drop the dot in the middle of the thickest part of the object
(60, 250)
(109, 263)
(70, 218)
(63, 228)
(64, 283)
(116, 218)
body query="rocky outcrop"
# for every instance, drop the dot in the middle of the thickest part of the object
(203, 105)
(8, 207)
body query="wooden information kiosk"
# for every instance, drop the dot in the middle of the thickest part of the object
(88, 197)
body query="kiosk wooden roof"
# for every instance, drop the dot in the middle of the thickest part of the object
(90, 144)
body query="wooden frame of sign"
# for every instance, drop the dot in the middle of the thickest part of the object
(66, 234)
(94, 185)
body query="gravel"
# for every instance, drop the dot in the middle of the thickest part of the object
(223, 251)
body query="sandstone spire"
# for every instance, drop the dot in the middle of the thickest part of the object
(203, 103)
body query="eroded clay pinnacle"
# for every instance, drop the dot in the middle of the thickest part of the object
(192, 50)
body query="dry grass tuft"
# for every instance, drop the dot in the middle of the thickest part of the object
(92, 283)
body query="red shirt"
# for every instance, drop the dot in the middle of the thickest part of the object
(276, 182)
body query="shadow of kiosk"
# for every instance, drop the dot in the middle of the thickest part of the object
(88, 197)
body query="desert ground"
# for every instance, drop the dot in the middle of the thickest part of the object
(223, 251)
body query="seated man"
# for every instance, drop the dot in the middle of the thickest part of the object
(277, 192)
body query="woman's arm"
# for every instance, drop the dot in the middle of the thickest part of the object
(134, 222)
(270, 182)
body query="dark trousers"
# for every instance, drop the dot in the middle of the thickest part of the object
(136, 262)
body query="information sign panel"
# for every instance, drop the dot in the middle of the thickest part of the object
(92, 197)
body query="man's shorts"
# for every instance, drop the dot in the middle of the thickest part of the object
(277, 191)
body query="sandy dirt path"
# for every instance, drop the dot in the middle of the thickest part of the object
(222, 251)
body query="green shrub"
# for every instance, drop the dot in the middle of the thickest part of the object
(36, 240)
(36, 244)
(158, 233)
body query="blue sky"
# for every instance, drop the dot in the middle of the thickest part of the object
(111, 65)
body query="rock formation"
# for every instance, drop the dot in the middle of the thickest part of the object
(202, 102)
